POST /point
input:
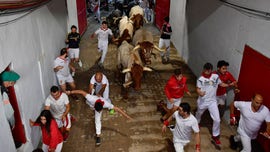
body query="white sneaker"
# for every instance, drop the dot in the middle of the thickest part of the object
(73, 74)
(80, 63)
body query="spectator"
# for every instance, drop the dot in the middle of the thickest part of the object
(51, 136)
(8, 79)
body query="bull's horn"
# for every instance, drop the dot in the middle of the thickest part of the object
(115, 19)
(126, 70)
(136, 47)
(145, 20)
(147, 69)
(158, 48)
(127, 84)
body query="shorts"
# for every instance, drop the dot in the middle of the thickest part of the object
(65, 124)
(63, 80)
(221, 99)
(164, 42)
(73, 53)
(176, 102)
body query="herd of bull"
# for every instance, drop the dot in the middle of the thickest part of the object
(135, 46)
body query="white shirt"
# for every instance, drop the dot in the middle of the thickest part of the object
(103, 81)
(64, 72)
(103, 35)
(250, 122)
(57, 107)
(91, 100)
(209, 86)
(184, 127)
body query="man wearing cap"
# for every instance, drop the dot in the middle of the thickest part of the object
(8, 79)
(98, 103)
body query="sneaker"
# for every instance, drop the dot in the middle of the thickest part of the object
(73, 74)
(216, 140)
(100, 65)
(233, 144)
(98, 141)
(171, 126)
(80, 63)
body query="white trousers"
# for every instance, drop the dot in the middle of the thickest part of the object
(98, 122)
(103, 47)
(166, 43)
(245, 140)
(179, 147)
(98, 116)
(214, 113)
(45, 147)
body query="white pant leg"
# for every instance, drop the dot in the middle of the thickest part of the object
(214, 113)
(59, 147)
(200, 111)
(98, 122)
(98, 14)
(179, 147)
(106, 92)
(104, 52)
(167, 45)
(45, 147)
(246, 142)
(161, 43)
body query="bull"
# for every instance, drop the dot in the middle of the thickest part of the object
(125, 30)
(132, 65)
(136, 15)
(144, 42)
(113, 21)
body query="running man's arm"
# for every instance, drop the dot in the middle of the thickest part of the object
(122, 112)
(66, 111)
(166, 123)
(81, 92)
(198, 141)
(91, 87)
(101, 91)
(266, 134)
(200, 92)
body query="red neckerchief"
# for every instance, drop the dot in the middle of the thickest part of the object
(65, 59)
(206, 76)
(104, 29)
(99, 100)
(167, 26)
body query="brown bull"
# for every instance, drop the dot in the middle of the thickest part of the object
(136, 15)
(143, 41)
(132, 65)
(125, 30)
